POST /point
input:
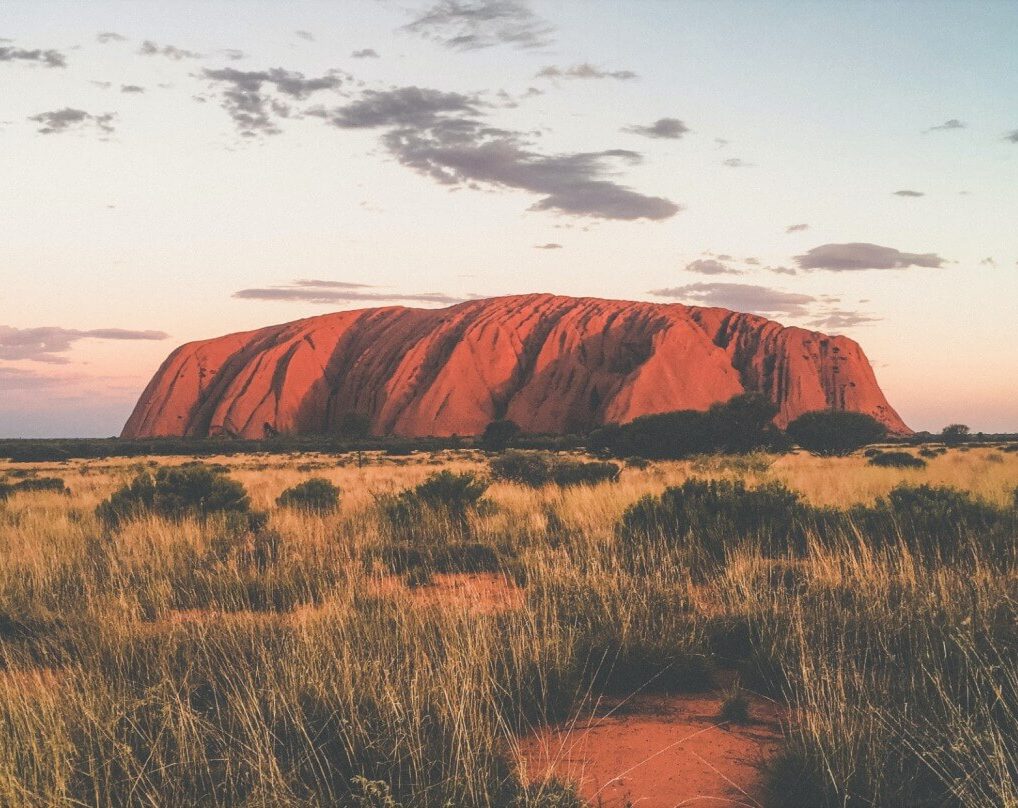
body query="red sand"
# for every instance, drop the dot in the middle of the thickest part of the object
(483, 593)
(659, 752)
(551, 364)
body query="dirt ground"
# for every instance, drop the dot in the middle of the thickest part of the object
(659, 752)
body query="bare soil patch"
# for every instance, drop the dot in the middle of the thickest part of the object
(659, 752)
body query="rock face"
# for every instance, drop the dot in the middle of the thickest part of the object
(551, 364)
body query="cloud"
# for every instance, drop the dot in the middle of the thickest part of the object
(782, 270)
(988, 262)
(338, 292)
(954, 123)
(847, 257)
(796, 228)
(150, 48)
(709, 266)
(753, 262)
(1012, 136)
(306, 35)
(109, 36)
(63, 120)
(909, 193)
(404, 107)
(742, 297)
(45, 344)
(251, 97)
(834, 319)
(551, 245)
(736, 162)
(440, 135)
(584, 71)
(131, 88)
(365, 53)
(233, 54)
(667, 128)
(472, 24)
(21, 379)
(48, 57)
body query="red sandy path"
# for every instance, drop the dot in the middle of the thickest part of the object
(659, 752)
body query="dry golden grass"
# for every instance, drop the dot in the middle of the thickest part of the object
(156, 665)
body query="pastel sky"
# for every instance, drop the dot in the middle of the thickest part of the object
(178, 170)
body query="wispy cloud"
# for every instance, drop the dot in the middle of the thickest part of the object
(109, 36)
(150, 48)
(473, 24)
(796, 228)
(441, 135)
(47, 343)
(909, 193)
(736, 162)
(305, 35)
(365, 53)
(257, 99)
(665, 128)
(551, 245)
(1012, 136)
(63, 120)
(339, 292)
(584, 71)
(47, 57)
(857, 256)
(710, 266)
(953, 123)
(741, 297)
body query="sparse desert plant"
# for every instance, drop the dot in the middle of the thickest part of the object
(713, 515)
(735, 707)
(32, 484)
(536, 469)
(897, 460)
(174, 493)
(316, 495)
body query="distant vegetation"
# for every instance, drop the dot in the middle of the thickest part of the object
(834, 432)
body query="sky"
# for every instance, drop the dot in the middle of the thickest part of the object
(177, 171)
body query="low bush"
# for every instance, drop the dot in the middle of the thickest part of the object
(535, 469)
(441, 504)
(897, 460)
(191, 490)
(934, 520)
(32, 484)
(713, 514)
(316, 495)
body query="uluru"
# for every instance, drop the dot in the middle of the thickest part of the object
(551, 364)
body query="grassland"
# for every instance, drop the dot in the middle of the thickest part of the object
(184, 662)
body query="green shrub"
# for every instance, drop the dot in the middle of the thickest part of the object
(897, 460)
(191, 490)
(715, 514)
(534, 469)
(32, 484)
(835, 432)
(442, 502)
(933, 519)
(316, 495)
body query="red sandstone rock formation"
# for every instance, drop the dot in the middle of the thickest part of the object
(551, 364)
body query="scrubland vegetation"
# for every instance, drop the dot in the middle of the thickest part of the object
(248, 631)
